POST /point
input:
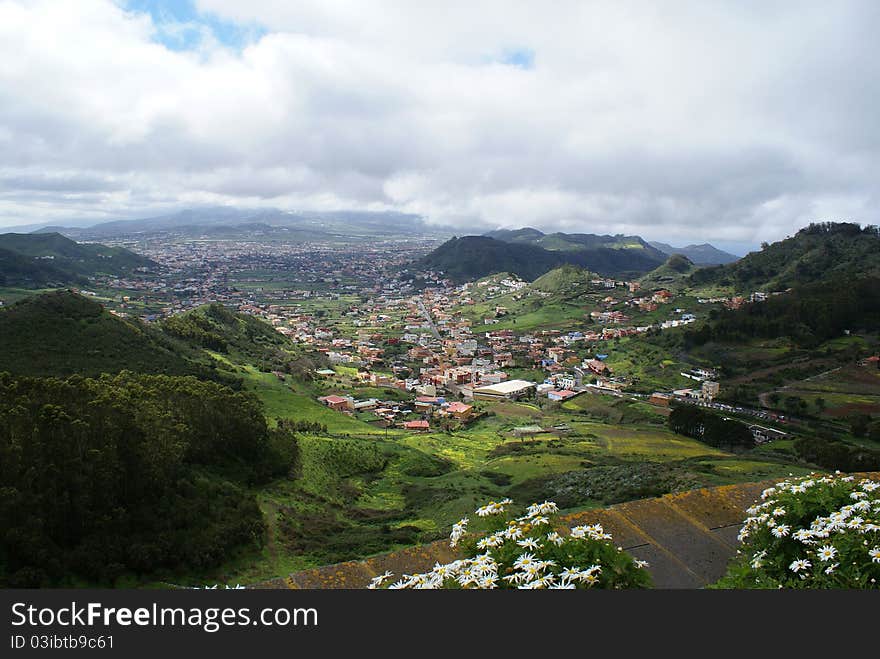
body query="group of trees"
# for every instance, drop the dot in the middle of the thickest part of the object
(709, 428)
(834, 454)
(129, 474)
(809, 315)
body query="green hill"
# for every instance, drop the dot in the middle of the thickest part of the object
(472, 257)
(131, 476)
(62, 333)
(26, 272)
(807, 315)
(565, 279)
(816, 253)
(675, 271)
(38, 259)
(217, 328)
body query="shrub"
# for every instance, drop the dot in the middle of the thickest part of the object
(527, 552)
(810, 532)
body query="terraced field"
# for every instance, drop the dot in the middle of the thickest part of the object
(361, 492)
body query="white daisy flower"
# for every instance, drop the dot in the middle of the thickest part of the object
(826, 553)
(556, 539)
(800, 564)
(781, 531)
(375, 582)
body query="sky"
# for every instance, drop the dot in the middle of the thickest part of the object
(729, 122)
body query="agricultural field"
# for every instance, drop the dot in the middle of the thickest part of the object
(837, 393)
(363, 490)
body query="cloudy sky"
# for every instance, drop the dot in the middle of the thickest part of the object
(733, 122)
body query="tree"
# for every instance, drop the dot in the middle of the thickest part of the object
(820, 404)
(858, 424)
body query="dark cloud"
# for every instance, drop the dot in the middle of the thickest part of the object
(702, 121)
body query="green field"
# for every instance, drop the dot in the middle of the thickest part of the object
(348, 506)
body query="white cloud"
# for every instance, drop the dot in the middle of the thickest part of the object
(684, 122)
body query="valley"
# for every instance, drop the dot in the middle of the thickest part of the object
(403, 398)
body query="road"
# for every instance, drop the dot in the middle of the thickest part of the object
(794, 385)
(430, 320)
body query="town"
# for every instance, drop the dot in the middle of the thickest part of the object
(444, 347)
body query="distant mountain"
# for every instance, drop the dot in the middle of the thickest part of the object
(704, 254)
(819, 252)
(473, 257)
(575, 242)
(339, 226)
(44, 259)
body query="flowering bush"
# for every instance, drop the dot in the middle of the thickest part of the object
(811, 532)
(528, 552)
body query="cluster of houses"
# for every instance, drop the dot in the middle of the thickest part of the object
(415, 415)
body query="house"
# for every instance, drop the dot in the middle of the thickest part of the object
(660, 399)
(338, 403)
(509, 389)
(710, 389)
(427, 403)
(460, 411)
(598, 367)
(762, 434)
(421, 425)
(563, 394)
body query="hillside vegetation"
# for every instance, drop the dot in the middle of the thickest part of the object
(37, 259)
(129, 475)
(704, 254)
(818, 252)
(808, 315)
(473, 257)
(674, 272)
(564, 279)
(63, 333)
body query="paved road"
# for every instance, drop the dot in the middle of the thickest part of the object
(430, 320)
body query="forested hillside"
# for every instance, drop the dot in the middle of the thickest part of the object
(808, 314)
(39, 259)
(129, 475)
(818, 252)
(62, 333)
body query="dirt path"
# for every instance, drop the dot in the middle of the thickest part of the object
(794, 386)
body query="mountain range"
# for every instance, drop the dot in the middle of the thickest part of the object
(265, 223)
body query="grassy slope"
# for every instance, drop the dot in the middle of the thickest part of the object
(61, 333)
